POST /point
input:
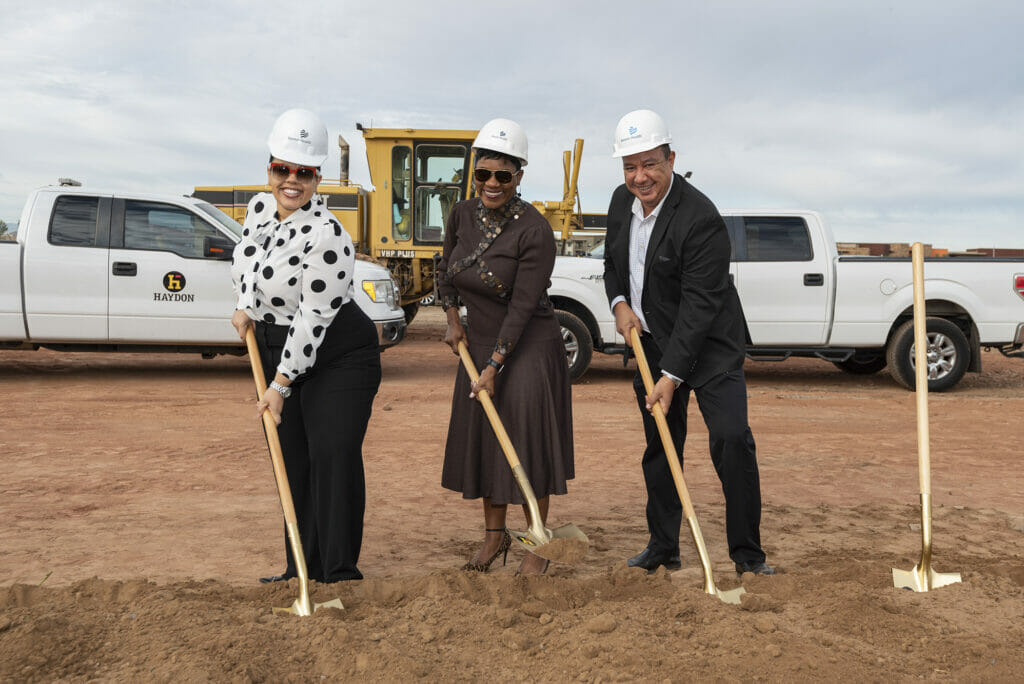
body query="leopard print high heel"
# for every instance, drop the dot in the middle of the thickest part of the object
(506, 543)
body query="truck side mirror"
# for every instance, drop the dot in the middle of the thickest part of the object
(215, 247)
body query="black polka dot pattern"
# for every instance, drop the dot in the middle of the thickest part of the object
(295, 272)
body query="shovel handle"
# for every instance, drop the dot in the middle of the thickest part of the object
(659, 419)
(492, 413)
(276, 457)
(921, 371)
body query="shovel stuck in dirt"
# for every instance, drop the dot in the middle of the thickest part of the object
(732, 595)
(302, 606)
(565, 544)
(922, 577)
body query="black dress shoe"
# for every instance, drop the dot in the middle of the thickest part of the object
(756, 567)
(650, 560)
(284, 577)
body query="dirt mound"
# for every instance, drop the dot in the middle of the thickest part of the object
(150, 471)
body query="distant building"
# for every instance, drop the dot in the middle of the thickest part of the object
(996, 252)
(881, 249)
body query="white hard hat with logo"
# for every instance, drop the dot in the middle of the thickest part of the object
(505, 136)
(639, 131)
(299, 137)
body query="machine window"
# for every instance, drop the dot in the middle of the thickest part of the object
(440, 183)
(783, 238)
(74, 221)
(401, 189)
(164, 227)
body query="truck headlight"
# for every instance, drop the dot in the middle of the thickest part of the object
(380, 291)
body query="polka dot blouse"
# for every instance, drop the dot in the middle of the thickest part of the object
(296, 272)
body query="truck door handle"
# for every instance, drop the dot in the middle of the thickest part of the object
(814, 279)
(125, 268)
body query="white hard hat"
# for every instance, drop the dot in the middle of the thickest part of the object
(299, 137)
(639, 131)
(503, 135)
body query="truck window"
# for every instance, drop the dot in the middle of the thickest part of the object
(440, 183)
(74, 221)
(164, 227)
(401, 192)
(776, 238)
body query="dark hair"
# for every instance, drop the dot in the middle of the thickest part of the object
(665, 150)
(482, 153)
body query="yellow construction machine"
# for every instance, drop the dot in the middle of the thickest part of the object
(417, 176)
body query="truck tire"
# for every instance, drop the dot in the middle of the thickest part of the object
(410, 311)
(579, 347)
(863, 366)
(948, 354)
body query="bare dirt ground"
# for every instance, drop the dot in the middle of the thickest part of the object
(139, 508)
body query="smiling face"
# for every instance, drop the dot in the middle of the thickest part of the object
(649, 175)
(492, 193)
(290, 192)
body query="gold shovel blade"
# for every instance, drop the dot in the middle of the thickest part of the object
(922, 580)
(731, 596)
(303, 610)
(564, 544)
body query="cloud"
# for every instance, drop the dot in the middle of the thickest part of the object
(896, 120)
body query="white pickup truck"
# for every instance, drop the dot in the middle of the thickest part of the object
(104, 271)
(801, 298)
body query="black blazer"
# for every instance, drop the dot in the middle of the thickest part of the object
(689, 302)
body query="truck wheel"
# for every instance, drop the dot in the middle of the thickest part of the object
(948, 354)
(579, 347)
(410, 311)
(865, 366)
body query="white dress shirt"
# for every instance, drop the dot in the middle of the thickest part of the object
(640, 229)
(296, 272)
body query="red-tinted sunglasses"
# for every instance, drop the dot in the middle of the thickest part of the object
(305, 174)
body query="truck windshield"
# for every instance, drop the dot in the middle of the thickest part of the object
(219, 217)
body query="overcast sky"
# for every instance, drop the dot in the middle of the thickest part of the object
(899, 121)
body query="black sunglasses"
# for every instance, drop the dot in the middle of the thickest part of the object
(504, 177)
(302, 173)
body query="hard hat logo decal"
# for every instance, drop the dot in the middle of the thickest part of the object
(501, 134)
(303, 134)
(633, 130)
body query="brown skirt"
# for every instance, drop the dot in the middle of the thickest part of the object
(534, 401)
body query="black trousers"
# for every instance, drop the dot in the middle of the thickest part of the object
(322, 428)
(723, 404)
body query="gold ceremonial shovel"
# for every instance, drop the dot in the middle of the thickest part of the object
(922, 577)
(732, 595)
(302, 605)
(538, 539)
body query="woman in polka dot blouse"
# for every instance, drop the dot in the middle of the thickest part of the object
(292, 274)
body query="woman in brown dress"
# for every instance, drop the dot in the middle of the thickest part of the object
(497, 261)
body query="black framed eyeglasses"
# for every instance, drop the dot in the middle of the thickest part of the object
(304, 174)
(502, 176)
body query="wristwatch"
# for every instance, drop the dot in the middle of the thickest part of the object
(285, 392)
(495, 365)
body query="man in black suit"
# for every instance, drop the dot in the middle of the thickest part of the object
(666, 273)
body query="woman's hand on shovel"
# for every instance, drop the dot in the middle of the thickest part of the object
(273, 402)
(241, 321)
(485, 383)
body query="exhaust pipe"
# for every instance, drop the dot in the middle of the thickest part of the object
(343, 148)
